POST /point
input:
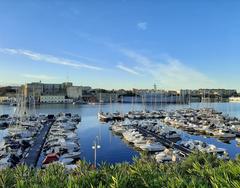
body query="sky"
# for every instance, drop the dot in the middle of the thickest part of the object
(125, 44)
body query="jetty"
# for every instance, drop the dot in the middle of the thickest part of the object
(164, 141)
(34, 152)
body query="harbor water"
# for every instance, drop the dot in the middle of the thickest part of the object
(113, 148)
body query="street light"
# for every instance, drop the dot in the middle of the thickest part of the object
(96, 146)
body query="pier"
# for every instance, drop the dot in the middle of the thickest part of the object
(164, 141)
(34, 152)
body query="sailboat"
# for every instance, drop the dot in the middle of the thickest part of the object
(116, 116)
(101, 115)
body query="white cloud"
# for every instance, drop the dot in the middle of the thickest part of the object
(175, 74)
(139, 58)
(87, 59)
(48, 58)
(127, 69)
(142, 25)
(169, 72)
(39, 77)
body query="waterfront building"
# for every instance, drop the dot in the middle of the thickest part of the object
(220, 92)
(185, 92)
(54, 99)
(4, 100)
(154, 97)
(234, 99)
(54, 89)
(74, 92)
(104, 96)
(86, 88)
(208, 95)
(171, 92)
(209, 92)
(35, 90)
(7, 100)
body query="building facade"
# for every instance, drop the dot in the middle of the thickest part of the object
(74, 92)
(37, 89)
(234, 99)
(4, 100)
(154, 98)
(54, 99)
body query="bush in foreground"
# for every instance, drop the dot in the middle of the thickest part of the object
(198, 170)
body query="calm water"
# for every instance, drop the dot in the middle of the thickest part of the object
(113, 149)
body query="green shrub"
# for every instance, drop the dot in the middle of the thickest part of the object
(198, 170)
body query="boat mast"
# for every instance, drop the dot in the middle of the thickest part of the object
(29, 104)
(17, 101)
(189, 99)
(155, 107)
(162, 96)
(111, 103)
(100, 101)
(21, 107)
(143, 102)
(152, 100)
(204, 100)
(34, 103)
(132, 104)
(166, 98)
(135, 99)
(229, 109)
(122, 106)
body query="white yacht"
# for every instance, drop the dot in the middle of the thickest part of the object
(152, 147)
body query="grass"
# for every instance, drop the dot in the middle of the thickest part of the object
(198, 170)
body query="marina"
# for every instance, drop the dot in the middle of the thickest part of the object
(151, 135)
(119, 94)
(113, 148)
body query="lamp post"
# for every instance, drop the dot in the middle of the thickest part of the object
(96, 146)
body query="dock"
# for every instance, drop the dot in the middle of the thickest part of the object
(33, 154)
(164, 141)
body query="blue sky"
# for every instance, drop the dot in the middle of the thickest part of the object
(121, 44)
